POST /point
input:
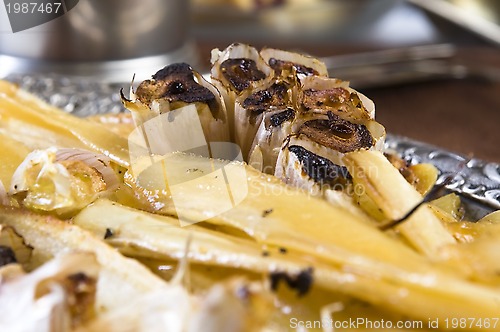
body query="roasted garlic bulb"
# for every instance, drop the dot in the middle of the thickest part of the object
(283, 111)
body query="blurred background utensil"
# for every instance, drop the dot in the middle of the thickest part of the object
(405, 65)
(105, 39)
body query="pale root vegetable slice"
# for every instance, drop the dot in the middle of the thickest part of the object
(268, 210)
(140, 234)
(430, 292)
(121, 124)
(426, 174)
(19, 105)
(34, 136)
(395, 197)
(478, 255)
(120, 278)
(13, 154)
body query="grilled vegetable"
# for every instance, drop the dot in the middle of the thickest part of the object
(173, 88)
(289, 65)
(275, 97)
(237, 71)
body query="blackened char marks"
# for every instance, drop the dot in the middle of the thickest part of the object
(176, 83)
(241, 72)
(337, 134)
(318, 168)
(279, 118)
(7, 256)
(301, 282)
(275, 96)
(280, 65)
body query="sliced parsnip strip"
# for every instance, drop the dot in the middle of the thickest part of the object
(142, 234)
(274, 213)
(421, 295)
(19, 105)
(34, 137)
(120, 278)
(395, 197)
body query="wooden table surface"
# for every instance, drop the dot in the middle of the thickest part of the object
(462, 116)
(459, 115)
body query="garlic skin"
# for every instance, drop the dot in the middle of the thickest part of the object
(274, 128)
(234, 305)
(62, 181)
(174, 87)
(250, 110)
(289, 64)
(227, 90)
(323, 94)
(41, 300)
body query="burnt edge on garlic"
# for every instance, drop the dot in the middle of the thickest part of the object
(240, 72)
(320, 169)
(337, 134)
(278, 119)
(264, 100)
(176, 83)
(280, 65)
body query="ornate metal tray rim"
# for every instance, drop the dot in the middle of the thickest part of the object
(477, 180)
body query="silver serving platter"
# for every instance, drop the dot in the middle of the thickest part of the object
(476, 181)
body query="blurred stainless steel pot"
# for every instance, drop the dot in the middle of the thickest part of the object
(101, 37)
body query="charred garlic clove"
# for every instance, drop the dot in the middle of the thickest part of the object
(289, 65)
(62, 181)
(324, 139)
(273, 130)
(337, 134)
(250, 110)
(304, 169)
(331, 137)
(238, 67)
(321, 95)
(177, 86)
(237, 70)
